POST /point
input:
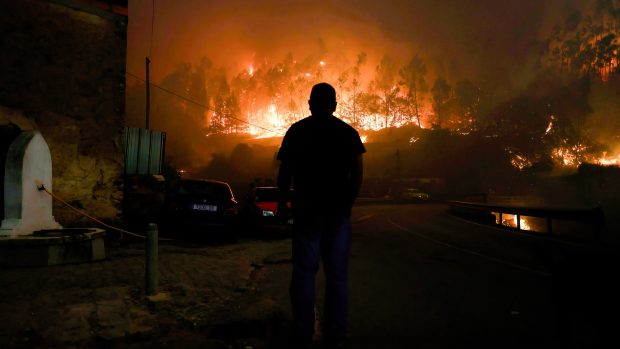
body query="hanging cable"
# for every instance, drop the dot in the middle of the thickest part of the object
(187, 99)
(82, 213)
(206, 107)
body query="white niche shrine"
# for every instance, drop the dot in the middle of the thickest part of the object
(28, 166)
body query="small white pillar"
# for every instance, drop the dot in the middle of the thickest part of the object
(28, 166)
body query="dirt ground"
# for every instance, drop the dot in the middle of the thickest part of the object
(209, 298)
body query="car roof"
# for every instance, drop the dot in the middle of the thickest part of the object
(213, 181)
(267, 188)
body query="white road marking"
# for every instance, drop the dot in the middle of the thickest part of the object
(363, 218)
(468, 251)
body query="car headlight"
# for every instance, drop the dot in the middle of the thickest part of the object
(267, 213)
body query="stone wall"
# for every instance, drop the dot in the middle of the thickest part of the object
(62, 72)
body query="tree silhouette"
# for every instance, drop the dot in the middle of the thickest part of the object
(385, 84)
(442, 93)
(468, 98)
(413, 78)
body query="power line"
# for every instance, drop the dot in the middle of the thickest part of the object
(206, 107)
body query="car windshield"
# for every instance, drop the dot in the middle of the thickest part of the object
(206, 189)
(266, 194)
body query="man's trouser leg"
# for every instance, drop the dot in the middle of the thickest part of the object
(306, 256)
(335, 251)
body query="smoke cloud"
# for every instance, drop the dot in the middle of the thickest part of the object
(486, 40)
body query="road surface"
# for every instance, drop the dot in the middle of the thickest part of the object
(421, 278)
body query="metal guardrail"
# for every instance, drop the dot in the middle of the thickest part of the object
(593, 217)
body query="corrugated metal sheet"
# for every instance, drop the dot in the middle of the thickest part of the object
(144, 151)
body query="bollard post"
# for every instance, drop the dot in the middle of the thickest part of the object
(152, 260)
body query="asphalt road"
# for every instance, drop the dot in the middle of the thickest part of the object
(421, 278)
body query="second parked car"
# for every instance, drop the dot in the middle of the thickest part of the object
(205, 205)
(260, 208)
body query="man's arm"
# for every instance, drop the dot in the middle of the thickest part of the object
(357, 177)
(285, 177)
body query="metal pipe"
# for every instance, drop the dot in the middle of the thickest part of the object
(152, 260)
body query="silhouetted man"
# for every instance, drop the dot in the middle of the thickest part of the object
(322, 157)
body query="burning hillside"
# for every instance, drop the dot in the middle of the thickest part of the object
(539, 93)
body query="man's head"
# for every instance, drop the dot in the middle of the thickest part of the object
(322, 99)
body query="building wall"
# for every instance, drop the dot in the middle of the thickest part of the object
(62, 72)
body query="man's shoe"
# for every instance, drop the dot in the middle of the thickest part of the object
(303, 346)
(297, 343)
(336, 344)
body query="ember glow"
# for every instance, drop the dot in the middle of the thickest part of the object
(550, 126)
(569, 156)
(520, 162)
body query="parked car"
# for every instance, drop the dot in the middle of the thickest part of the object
(260, 208)
(413, 194)
(207, 205)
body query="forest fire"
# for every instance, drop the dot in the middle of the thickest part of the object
(608, 161)
(274, 124)
(569, 156)
(249, 82)
(576, 155)
(274, 95)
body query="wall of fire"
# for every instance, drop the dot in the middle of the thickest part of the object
(62, 68)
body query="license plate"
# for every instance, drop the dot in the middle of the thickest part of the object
(200, 207)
